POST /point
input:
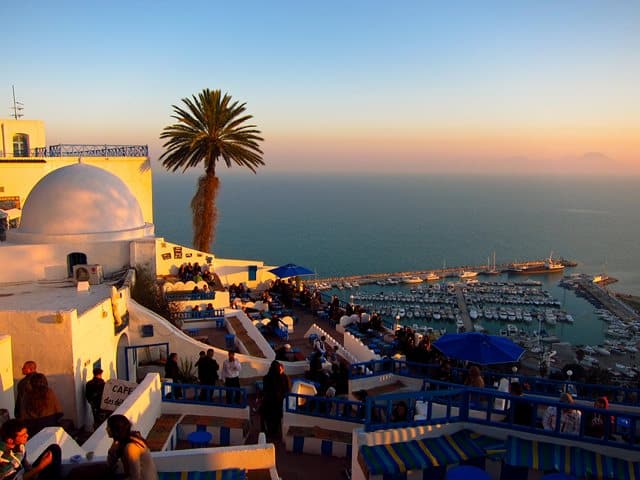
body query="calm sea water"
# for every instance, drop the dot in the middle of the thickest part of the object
(370, 224)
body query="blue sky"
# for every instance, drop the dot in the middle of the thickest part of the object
(461, 87)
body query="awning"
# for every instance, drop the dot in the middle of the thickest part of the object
(418, 454)
(570, 460)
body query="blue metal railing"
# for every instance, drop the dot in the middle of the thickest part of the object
(386, 366)
(199, 315)
(78, 150)
(534, 385)
(325, 407)
(196, 394)
(185, 296)
(479, 406)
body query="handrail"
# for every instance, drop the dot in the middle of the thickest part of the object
(79, 150)
(174, 392)
(199, 314)
(325, 407)
(177, 296)
(476, 405)
(535, 385)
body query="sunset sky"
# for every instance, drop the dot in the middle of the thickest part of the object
(376, 86)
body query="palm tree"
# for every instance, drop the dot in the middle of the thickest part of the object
(210, 126)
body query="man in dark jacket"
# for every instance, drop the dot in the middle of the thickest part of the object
(207, 373)
(93, 394)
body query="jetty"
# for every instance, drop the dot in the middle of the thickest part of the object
(364, 279)
(609, 301)
(464, 311)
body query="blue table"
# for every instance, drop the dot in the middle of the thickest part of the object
(467, 472)
(199, 439)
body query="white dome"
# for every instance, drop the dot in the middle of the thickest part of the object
(80, 199)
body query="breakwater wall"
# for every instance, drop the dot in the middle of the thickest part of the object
(368, 278)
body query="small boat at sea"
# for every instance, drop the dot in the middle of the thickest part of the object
(431, 277)
(468, 274)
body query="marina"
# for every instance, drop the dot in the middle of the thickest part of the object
(546, 313)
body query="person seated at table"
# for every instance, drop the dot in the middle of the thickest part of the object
(595, 425)
(320, 347)
(209, 307)
(283, 352)
(520, 411)
(400, 412)
(13, 455)
(569, 417)
(195, 289)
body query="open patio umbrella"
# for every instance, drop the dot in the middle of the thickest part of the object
(479, 348)
(291, 270)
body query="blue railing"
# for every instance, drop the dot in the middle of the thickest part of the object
(70, 150)
(185, 296)
(386, 366)
(196, 394)
(480, 406)
(534, 385)
(199, 315)
(326, 407)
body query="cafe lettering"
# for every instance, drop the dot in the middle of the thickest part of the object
(115, 392)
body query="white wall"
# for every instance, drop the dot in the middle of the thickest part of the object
(142, 407)
(93, 339)
(170, 265)
(64, 347)
(49, 261)
(7, 397)
(181, 343)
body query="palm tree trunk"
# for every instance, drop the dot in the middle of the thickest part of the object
(205, 212)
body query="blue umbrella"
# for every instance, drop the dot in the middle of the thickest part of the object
(291, 270)
(479, 348)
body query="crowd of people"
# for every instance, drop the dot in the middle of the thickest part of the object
(37, 407)
(194, 273)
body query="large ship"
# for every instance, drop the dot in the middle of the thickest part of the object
(549, 266)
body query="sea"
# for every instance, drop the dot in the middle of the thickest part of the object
(339, 225)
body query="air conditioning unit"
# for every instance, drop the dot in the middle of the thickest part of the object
(88, 273)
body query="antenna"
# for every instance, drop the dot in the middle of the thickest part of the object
(17, 106)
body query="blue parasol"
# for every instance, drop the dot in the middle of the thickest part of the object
(479, 348)
(291, 270)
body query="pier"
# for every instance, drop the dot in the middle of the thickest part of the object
(464, 312)
(610, 302)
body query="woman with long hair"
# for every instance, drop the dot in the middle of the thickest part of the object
(131, 449)
(40, 406)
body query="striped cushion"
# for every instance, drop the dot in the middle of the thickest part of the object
(396, 458)
(228, 474)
